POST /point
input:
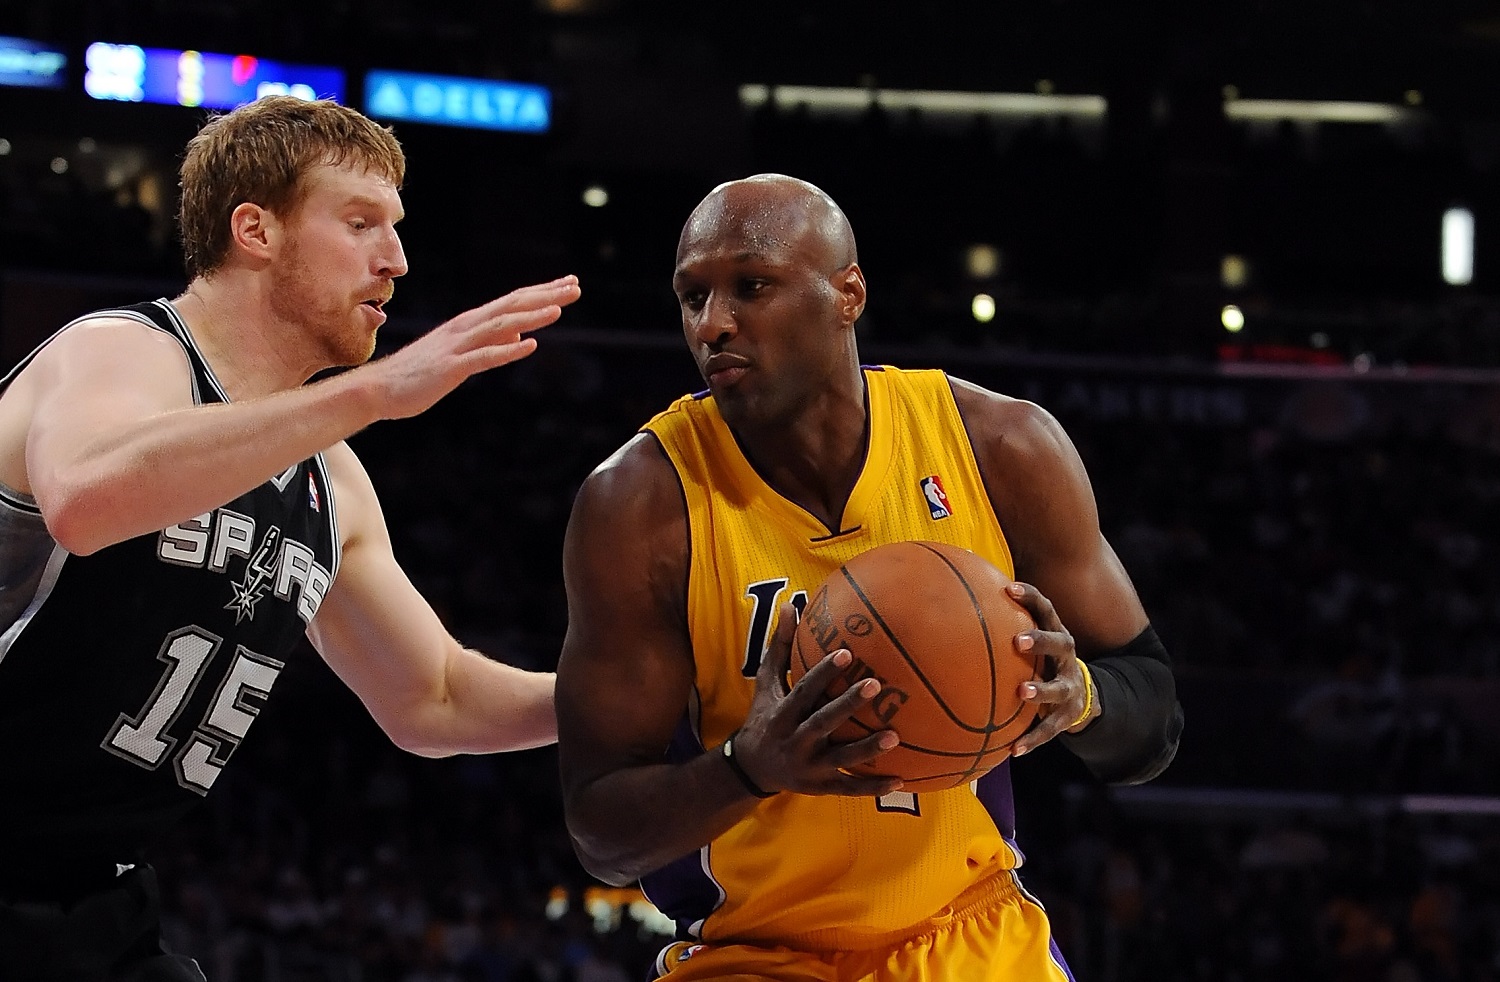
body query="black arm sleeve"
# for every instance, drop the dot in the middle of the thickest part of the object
(1136, 736)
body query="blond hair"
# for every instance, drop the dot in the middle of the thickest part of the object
(260, 153)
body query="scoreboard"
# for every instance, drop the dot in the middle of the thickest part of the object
(130, 73)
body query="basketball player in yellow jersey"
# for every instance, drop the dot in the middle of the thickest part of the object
(685, 761)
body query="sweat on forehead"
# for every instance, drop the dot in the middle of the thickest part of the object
(769, 210)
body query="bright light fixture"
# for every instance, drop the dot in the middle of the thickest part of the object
(1458, 246)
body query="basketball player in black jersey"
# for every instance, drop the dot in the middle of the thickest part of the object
(177, 508)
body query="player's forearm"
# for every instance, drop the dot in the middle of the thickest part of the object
(1136, 734)
(177, 465)
(488, 707)
(636, 820)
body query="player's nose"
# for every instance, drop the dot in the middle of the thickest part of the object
(391, 260)
(717, 320)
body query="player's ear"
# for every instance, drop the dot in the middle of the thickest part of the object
(851, 287)
(252, 228)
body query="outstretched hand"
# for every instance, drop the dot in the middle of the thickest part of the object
(1063, 696)
(784, 743)
(420, 374)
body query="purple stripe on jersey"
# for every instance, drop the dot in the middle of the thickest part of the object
(1057, 956)
(995, 794)
(685, 744)
(682, 889)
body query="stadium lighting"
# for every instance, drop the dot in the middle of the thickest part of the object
(1232, 318)
(1315, 111)
(1458, 246)
(848, 100)
(1233, 271)
(982, 261)
(983, 308)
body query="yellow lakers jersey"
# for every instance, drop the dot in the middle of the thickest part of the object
(814, 872)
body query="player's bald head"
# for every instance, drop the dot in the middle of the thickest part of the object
(769, 213)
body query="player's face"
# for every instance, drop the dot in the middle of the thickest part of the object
(339, 256)
(760, 317)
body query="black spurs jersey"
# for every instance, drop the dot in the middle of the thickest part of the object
(128, 677)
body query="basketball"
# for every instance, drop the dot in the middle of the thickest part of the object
(935, 625)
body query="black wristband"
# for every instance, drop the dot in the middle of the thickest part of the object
(739, 772)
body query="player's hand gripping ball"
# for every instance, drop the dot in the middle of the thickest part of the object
(936, 625)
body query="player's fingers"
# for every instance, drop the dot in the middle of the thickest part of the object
(558, 293)
(860, 751)
(771, 676)
(1047, 693)
(828, 717)
(811, 689)
(561, 291)
(1038, 606)
(509, 327)
(1045, 729)
(495, 355)
(1060, 701)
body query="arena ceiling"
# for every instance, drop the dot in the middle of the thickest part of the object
(1273, 48)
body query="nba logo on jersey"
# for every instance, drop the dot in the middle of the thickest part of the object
(312, 494)
(937, 498)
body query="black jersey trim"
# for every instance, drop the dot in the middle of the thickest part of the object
(44, 588)
(17, 501)
(333, 518)
(185, 336)
(283, 480)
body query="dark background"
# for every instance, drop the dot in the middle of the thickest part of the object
(1306, 506)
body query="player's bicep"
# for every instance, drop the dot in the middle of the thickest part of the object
(1041, 492)
(626, 669)
(1093, 596)
(374, 629)
(382, 639)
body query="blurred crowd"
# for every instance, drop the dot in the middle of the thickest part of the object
(1095, 235)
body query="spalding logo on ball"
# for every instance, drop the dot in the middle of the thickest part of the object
(935, 625)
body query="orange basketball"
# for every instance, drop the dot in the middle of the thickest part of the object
(936, 626)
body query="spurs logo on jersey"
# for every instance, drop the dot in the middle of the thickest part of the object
(258, 576)
(276, 564)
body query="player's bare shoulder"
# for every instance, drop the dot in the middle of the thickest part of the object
(630, 513)
(1007, 433)
(1036, 481)
(83, 362)
(635, 487)
(99, 339)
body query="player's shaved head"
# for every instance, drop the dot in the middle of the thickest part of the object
(767, 213)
